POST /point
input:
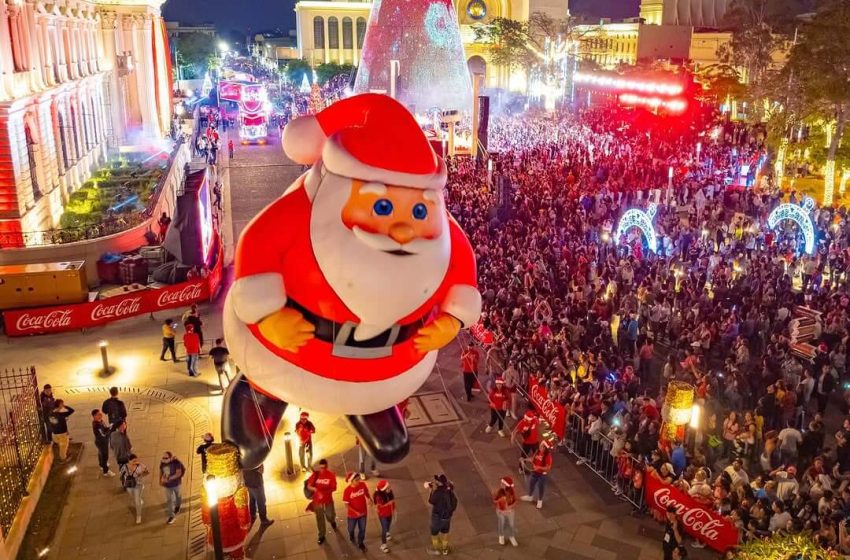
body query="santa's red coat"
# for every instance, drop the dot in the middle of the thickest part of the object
(278, 241)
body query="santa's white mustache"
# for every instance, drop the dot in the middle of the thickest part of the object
(386, 243)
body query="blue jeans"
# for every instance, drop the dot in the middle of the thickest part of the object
(507, 523)
(173, 499)
(537, 481)
(385, 528)
(358, 523)
(257, 503)
(192, 364)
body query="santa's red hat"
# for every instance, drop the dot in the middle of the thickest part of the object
(507, 481)
(370, 137)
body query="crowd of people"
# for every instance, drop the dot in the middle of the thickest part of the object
(606, 322)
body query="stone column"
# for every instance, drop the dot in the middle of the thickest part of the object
(129, 87)
(108, 21)
(145, 77)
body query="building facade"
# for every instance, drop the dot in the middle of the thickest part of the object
(76, 78)
(333, 30)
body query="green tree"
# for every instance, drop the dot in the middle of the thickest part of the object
(196, 52)
(328, 71)
(820, 61)
(508, 42)
(296, 70)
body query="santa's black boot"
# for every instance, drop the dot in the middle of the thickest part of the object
(249, 420)
(383, 434)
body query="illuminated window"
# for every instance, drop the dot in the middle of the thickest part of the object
(65, 160)
(476, 9)
(361, 31)
(333, 33)
(31, 160)
(318, 32)
(347, 33)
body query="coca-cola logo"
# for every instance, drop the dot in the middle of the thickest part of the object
(123, 308)
(189, 293)
(52, 320)
(547, 408)
(698, 520)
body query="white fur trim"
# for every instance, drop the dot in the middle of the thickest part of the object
(303, 139)
(257, 296)
(340, 162)
(307, 390)
(463, 302)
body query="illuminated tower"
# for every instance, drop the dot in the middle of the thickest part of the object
(424, 37)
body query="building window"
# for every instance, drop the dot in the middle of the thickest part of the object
(94, 129)
(318, 32)
(347, 33)
(65, 159)
(13, 23)
(36, 191)
(77, 151)
(333, 33)
(361, 31)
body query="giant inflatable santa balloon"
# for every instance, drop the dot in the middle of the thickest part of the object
(348, 285)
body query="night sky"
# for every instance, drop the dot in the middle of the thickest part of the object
(263, 15)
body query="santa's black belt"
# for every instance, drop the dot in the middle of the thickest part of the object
(341, 335)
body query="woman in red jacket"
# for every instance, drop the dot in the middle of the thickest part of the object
(385, 504)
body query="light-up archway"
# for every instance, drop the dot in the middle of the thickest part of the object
(641, 219)
(800, 216)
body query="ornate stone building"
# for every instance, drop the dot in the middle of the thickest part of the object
(333, 30)
(76, 78)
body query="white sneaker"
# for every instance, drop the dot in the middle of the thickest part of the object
(539, 504)
(501, 433)
(580, 462)
(513, 541)
(138, 519)
(527, 498)
(389, 537)
(501, 540)
(488, 429)
(109, 473)
(385, 548)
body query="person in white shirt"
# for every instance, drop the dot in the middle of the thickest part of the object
(737, 473)
(789, 439)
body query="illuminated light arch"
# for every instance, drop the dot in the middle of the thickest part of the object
(800, 216)
(641, 219)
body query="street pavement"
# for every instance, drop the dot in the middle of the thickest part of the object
(581, 518)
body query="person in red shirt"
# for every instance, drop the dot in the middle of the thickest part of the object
(499, 397)
(384, 501)
(356, 497)
(322, 485)
(505, 502)
(526, 432)
(192, 343)
(305, 430)
(541, 464)
(469, 365)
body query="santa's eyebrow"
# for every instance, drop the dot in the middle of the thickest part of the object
(374, 188)
(431, 195)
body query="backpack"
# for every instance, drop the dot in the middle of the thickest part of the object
(309, 492)
(127, 480)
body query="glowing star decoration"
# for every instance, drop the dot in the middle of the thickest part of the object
(424, 37)
(800, 215)
(641, 219)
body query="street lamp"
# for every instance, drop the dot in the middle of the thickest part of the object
(223, 47)
(211, 487)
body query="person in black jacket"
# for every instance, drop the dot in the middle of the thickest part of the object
(101, 441)
(58, 422)
(114, 408)
(443, 504)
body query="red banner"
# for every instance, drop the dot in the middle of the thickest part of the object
(553, 412)
(61, 318)
(481, 334)
(698, 521)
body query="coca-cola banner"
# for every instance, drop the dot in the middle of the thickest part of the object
(698, 521)
(554, 413)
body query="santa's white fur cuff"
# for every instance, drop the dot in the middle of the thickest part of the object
(463, 302)
(257, 296)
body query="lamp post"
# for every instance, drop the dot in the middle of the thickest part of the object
(210, 485)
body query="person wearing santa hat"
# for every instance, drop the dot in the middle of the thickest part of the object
(498, 398)
(356, 498)
(305, 430)
(505, 501)
(348, 285)
(528, 435)
(541, 464)
(384, 501)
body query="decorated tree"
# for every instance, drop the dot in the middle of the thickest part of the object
(297, 69)
(317, 102)
(820, 61)
(801, 546)
(328, 71)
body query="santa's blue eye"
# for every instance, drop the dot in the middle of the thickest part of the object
(420, 211)
(383, 207)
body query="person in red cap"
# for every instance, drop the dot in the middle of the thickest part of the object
(505, 501)
(321, 485)
(384, 501)
(347, 285)
(356, 498)
(541, 464)
(527, 434)
(305, 430)
(498, 406)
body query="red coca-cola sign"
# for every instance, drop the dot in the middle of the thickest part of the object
(35, 321)
(697, 520)
(554, 413)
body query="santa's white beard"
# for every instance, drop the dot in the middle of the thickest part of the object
(378, 287)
